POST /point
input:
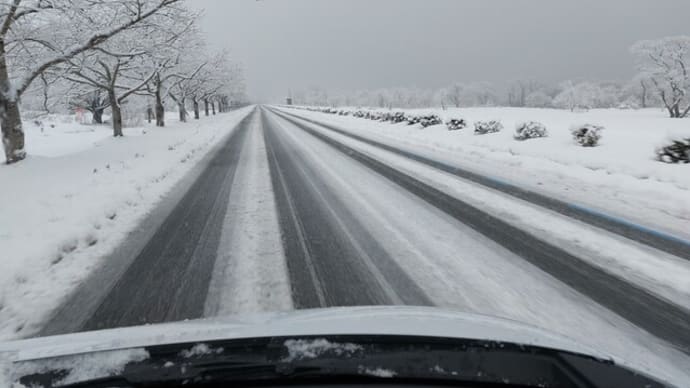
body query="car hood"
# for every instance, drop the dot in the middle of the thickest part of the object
(406, 321)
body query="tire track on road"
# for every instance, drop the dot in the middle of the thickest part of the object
(168, 280)
(332, 261)
(647, 236)
(657, 316)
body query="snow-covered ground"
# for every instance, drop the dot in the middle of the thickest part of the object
(460, 269)
(619, 177)
(76, 197)
(658, 272)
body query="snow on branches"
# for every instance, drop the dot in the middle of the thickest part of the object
(666, 63)
(456, 124)
(676, 152)
(102, 52)
(587, 135)
(484, 127)
(529, 130)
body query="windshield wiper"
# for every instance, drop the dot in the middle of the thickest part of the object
(367, 359)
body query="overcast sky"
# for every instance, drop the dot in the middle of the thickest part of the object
(367, 44)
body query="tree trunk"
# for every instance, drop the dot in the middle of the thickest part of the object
(206, 106)
(97, 115)
(11, 119)
(160, 111)
(670, 111)
(685, 112)
(196, 109)
(116, 111)
(643, 100)
(213, 107)
(183, 111)
(149, 114)
(12, 132)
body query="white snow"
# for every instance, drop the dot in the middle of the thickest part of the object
(461, 269)
(79, 368)
(200, 350)
(250, 273)
(303, 349)
(377, 372)
(76, 197)
(661, 273)
(619, 177)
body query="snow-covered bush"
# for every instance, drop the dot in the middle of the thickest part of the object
(429, 120)
(372, 115)
(484, 127)
(587, 135)
(413, 119)
(529, 130)
(376, 116)
(359, 114)
(677, 152)
(455, 124)
(398, 117)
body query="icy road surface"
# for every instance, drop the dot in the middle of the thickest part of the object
(287, 215)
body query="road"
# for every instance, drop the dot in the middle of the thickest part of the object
(287, 216)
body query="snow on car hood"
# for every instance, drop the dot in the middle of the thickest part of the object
(411, 321)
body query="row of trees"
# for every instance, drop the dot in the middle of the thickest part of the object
(524, 93)
(103, 54)
(663, 80)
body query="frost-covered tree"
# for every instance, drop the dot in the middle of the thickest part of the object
(37, 35)
(538, 99)
(584, 95)
(639, 93)
(94, 100)
(480, 94)
(454, 94)
(187, 86)
(519, 90)
(118, 75)
(176, 43)
(217, 79)
(666, 63)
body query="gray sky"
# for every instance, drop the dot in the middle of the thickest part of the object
(367, 44)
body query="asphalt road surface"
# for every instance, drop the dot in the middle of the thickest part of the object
(332, 256)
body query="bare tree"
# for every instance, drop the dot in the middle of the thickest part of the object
(519, 90)
(118, 75)
(184, 88)
(666, 63)
(453, 94)
(178, 40)
(94, 101)
(37, 35)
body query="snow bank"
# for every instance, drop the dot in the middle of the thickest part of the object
(620, 176)
(76, 197)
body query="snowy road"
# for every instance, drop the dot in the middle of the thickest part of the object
(356, 230)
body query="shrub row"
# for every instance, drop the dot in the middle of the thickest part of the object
(392, 117)
(585, 135)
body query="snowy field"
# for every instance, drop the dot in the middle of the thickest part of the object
(618, 177)
(77, 196)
